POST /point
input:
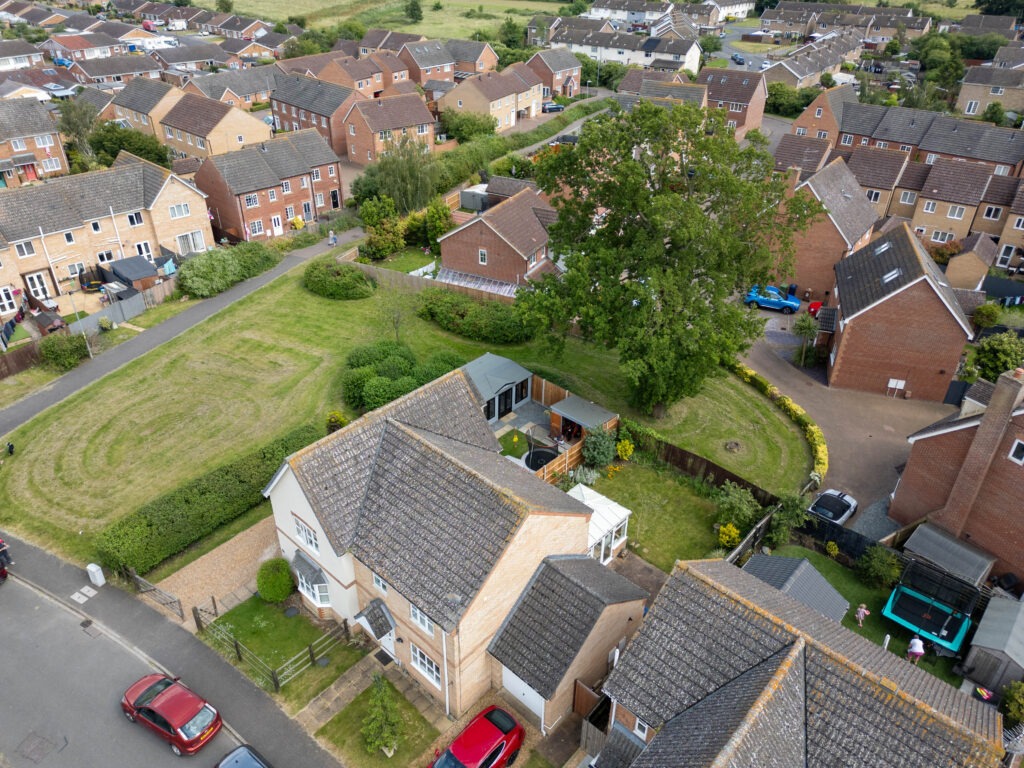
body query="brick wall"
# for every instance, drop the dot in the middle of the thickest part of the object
(811, 123)
(461, 252)
(817, 252)
(929, 475)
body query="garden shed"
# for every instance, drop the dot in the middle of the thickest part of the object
(136, 271)
(502, 384)
(569, 417)
(949, 554)
(997, 651)
(609, 524)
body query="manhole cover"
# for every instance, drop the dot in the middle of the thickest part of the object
(35, 747)
(323, 661)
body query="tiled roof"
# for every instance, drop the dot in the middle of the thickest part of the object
(978, 141)
(804, 152)
(635, 78)
(981, 391)
(388, 61)
(837, 189)
(1010, 55)
(235, 45)
(506, 186)
(860, 119)
(799, 579)
(240, 82)
(527, 77)
(676, 92)
(1017, 206)
(900, 125)
(429, 53)
(491, 85)
(852, 704)
(142, 94)
(981, 245)
(114, 28)
(877, 168)
(84, 41)
(394, 112)
(954, 181)
(554, 617)
(377, 616)
(99, 99)
(465, 50)
(439, 86)
(998, 76)
(403, 88)
(118, 65)
(24, 117)
(914, 176)
(887, 265)
(969, 299)
(730, 85)
(558, 59)
(384, 38)
(516, 221)
(265, 165)
(19, 47)
(196, 114)
(620, 749)
(1001, 190)
(315, 96)
(314, 62)
(185, 166)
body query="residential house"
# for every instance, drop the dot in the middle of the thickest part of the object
(628, 13)
(95, 45)
(846, 226)
(81, 22)
(252, 50)
(1010, 56)
(51, 232)
(371, 76)
(969, 268)
(806, 154)
(628, 49)
(199, 127)
(735, 9)
(472, 57)
(313, 65)
(503, 248)
(983, 86)
(540, 29)
(984, 24)
(12, 89)
(242, 88)
(142, 104)
(116, 71)
(255, 192)
(993, 213)
(195, 58)
(428, 60)
(385, 40)
(1011, 240)
(805, 66)
(877, 171)
(964, 473)
(243, 27)
(30, 145)
(566, 627)
(56, 82)
(949, 200)
(728, 670)
(559, 71)
(901, 330)
(787, 23)
(128, 34)
(497, 94)
(18, 54)
(635, 78)
(374, 125)
(410, 524)
(300, 102)
(823, 116)
(348, 47)
(42, 17)
(501, 188)
(741, 94)
(664, 95)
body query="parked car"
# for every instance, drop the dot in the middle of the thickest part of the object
(765, 64)
(565, 138)
(738, 59)
(834, 505)
(491, 740)
(172, 711)
(771, 297)
(243, 757)
(551, 106)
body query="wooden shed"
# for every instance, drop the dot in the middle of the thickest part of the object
(996, 657)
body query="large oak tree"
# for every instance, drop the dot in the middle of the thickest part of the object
(663, 220)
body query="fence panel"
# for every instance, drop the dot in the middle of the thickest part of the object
(304, 660)
(118, 312)
(592, 738)
(157, 595)
(19, 359)
(546, 393)
(403, 281)
(697, 466)
(262, 672)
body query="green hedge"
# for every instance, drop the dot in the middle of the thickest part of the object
(213, 272)
(63, 351)
(326, 277)
(489, 321)
(170, 523)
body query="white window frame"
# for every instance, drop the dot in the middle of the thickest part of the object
(873, 195)
(25, 249)
(421, 620)
(640, 729)
(380, 585)
(1019, 223)
(972, 108)
(938, 236)
(931, 158)
(1016, 454)
(993, 213)
(286, 187)
(997, 90)
(74, 270)
(801, 131)
(307, 536)
(955, 212)
(272, 195)
(319, 593)
(104, 257)
(51, 164)
(908, 197)
(847, 140)
(179, 210)
(135, 219)
(69, 238)
(929, 206)
(256, 227)
(425, 665)
(822, 134)
(18, 145)
(481, 256)
(7, 302)
(200, 142)
(252, 200)
(315, 173)
(196, 242)
(817, 112)
(143, 249)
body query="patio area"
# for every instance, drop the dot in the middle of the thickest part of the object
(527, 416)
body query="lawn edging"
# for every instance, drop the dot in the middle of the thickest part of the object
(812, 432)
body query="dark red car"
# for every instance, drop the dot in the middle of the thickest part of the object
(491, 740)
(172, 711)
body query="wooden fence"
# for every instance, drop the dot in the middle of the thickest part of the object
(704, 469)
(18, 359)
(158, 293)
(562, 464)
(546, 393)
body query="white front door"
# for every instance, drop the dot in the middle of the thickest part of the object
(521, 690)
(388, 644)
(275, 225)
(37, 285)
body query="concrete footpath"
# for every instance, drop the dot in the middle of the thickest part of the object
(92, 370)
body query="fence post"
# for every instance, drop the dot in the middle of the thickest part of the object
(238, 648)
(213, 600)
(312, 654)
(198, 619)
(276, 681)
(345, 629)
(134, 577)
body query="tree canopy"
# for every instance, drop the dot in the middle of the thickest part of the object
(407, 175)
(465, 126)
(110, 138)
(663, 219)
(77, 120)
(998, 353)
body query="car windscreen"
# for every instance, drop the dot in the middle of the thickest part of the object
(448, 760)
(153, 691)
(199, 723)
(831, 507)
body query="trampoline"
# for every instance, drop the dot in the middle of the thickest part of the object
(933, 604)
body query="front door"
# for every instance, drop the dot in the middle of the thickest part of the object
(275, 225)
(387, 642)
(335, 199)
(30, 172)
(307, 211)
(505, 402)
(37, 285)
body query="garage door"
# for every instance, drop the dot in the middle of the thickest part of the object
(529, 697)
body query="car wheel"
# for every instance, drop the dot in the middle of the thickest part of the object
(512, 757)
(754, 305)
(787, 310)
(129, 715)
(176, 749)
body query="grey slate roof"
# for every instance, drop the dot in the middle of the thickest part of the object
(118, 65)
(99, 99)
(142, 94)
(394, 112)
(419, 493)
(860, 706)
(804, 152)
(914, 176)
(837, 189)
(978, 141)
(730, 85)
(861, 119)
(555, 615)
(970, 299)
(506, 186)
(239, 82)
(490, 374)
(1001, 190)
(900, 125)
(267, 164)
(19, 47)
(429, 53)
(558, 59)
(186, 54)
(999, 76)
(949, 553)
(981, 392)
(582, 411)
(620, 749)
(801, 580)
(23, 117)
(378, 616)
(196, 114)
(465, 50)
(955, 181)
(877, 168)
(1002, 628)
(889, 264)
(315, 96)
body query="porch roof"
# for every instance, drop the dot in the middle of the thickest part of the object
(583, 412)
(608, 515)
(309, 570)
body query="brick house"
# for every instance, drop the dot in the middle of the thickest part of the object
(472, 57)
(949, 200)
(559, 71)
(628, 49)
(116, 71)
(964, 474)
(901, 330)
(301, 102)
(1011, 239)
(241, 88)
(504, 96)
(877, 171)
(94, 45)
(199, 127)
(728, 670)
(428, 60)
(385, 40)
(503, 248)
(983, 86)
(253, 193)
(30, 146)
(846, 226)
(250, 50)
(18, 54)
(373, 125)
(633, 82)
(822, 117)
(142, 104)
(741, 94)
(196, 58)
(51, 232)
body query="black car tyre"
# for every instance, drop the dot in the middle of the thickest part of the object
(754, 305)
(512, 757)
(787, 310)
(129, 715)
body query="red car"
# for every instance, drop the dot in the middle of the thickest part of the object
(491, 740)
(172, 711)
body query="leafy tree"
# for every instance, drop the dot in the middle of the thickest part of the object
(280, 28)
(710, 43)
(575, 8)
(806, 327)
(978, 46)
(1000, 7)
(987, 315)
(686, 236)
(414, 10)
(350, 30)
(791, 513)
(1012, 705)
(77, 121)
(110, 138)
(226, 6)
(737, 505)
(879, 567)
(375, 211)
(994, 113)
(827, 81)
(302, 46)
(999, 353)
(382, 726)
(465, 126)
(407, 175)
(439, 221)
(512, 34)
(384, 239)
(607, 73)
(599, 448)
(892, 48)
(508, 55)
(926, 95)
(784, 100)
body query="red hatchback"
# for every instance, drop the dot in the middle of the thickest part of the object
(491, 740)
(172, 711)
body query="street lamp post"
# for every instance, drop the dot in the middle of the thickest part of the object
(84, 336)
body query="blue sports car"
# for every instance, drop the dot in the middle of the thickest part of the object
(771, 297)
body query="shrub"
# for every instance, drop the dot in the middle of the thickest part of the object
(598, 448)
(274, 580)
(879, 567)
(1012, 705)
(738, 506)
(62, 351)
(207, 274)
(586, 475)
(436, 365)
(416, 230)
(353, 381)
(986, 315)
(393, 367)
(790, 514)
(488, 321)
(326, 277)
(169, 523)
(832, 549)
(335, 420)
(998, 354)
(728, 536)
(106, 324)
(379, 390)
(382, 726)
(624, 449)
(371, 354)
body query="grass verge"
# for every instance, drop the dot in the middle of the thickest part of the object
(514, 443)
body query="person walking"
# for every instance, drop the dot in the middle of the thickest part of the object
(332, 239)
(861, 614)
(915, 650)
(5, 554)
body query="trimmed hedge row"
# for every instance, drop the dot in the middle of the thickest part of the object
(170, 523)
(812, 432)
(488, 321)
(213, 272)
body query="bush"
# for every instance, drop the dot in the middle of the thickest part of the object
(790, 514)
(728, 536)
(168, 524)
(624, 449)
(986, 315)
(352, 384)
(63, 351)
(326, 277)
(207, 274)
(371, 354)
(379, 390)
(998, 354)
(586, 475)
(106, 324)
(489, 321)
(393, 367)
(1012, 705)
(832, 549)
(436, 365)
(383, 724)
(416, 231)
(598, 448)
(879, 567)
(274, 580)
(738, 506)
(335, 420)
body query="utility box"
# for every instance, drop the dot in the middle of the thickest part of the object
(96, 575)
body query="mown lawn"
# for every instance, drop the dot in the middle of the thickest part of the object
(514, 443)
(20, 385)
(406, 261)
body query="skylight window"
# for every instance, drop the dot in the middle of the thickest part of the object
(883, 248)
(888, 277)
